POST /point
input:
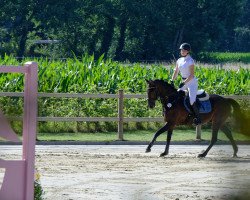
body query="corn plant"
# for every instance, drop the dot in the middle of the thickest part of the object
(90, 75)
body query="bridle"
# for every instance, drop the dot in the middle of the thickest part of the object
(164, 99)
(158, 95)
(154, 89)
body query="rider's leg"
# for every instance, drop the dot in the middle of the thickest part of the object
(193, 87)
(197, 120)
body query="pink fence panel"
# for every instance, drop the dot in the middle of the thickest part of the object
(18, 182)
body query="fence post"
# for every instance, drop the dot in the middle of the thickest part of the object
(29, 126)
(198, 132)
(221, 65)
(120, 115)
(18, 182)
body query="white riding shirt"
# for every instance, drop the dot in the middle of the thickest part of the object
(183, 65)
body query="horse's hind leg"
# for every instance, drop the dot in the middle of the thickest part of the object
(215, 129)
(159, 132)
(228, 133)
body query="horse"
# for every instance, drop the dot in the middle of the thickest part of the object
(175, 113)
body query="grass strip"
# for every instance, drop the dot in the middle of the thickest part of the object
(178, 135)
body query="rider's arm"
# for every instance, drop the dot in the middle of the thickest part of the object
(191, 76)
(176, 71)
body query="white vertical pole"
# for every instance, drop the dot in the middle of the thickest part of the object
(120, 115)
(198, 132)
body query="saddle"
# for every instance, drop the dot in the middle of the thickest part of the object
(202, 101)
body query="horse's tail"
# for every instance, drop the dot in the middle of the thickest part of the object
(242, 121)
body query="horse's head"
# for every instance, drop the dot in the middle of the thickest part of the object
(152, 93)
(158, 89)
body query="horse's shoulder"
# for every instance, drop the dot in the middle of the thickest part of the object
(215, 96)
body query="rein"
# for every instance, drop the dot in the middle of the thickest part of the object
(175, 98)
(167, 101)
(172, 98)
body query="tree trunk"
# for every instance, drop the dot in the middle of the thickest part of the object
(92, 44)
(107, 36)
(75, 44)
(22, 44)
(146, 45)
(180, 39)
(121, 40)
(177, 42)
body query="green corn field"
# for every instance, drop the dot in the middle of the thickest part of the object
(90, 75)
(223, 57)
(87, 75)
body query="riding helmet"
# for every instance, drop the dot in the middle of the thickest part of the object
(185, 46)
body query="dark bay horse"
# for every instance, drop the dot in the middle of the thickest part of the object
(176, 114)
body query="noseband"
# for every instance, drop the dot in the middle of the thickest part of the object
(157, 94)
(165, 100)
(154, 89)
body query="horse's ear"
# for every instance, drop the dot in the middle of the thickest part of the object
(148, 81)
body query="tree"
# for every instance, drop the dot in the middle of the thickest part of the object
(242, 31)
(219, 19)
(23, 21)
(124, 29)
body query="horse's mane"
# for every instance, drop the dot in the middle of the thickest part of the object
(168, 86)
(163, 83)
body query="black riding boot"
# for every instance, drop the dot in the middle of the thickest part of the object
(197, 120)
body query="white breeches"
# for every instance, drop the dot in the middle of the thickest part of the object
(192, 87)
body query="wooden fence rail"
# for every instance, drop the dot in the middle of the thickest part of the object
(120, 116)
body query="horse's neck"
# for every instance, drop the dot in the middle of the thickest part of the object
(173, 98)
(164, 100)
(166, 92)
(171, 93)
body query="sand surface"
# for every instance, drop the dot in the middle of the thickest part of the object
(114, 172)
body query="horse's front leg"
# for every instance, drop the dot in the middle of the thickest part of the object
(170, 131)
(159, 132)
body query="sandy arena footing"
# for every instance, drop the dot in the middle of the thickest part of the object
(112, 172)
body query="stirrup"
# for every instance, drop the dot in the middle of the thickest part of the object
(196, 122)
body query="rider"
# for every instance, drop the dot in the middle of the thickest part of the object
(185, 65)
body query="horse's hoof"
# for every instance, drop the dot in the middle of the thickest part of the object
(163, 154)
(148, 150)
(201, 155)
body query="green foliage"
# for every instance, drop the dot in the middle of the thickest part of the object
(219, 57)
(87, 75)
(136, 135)
(224, 82)
(90, 75)
(124, 29)
(38, 190)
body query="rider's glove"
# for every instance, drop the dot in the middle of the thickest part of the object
(181, 85)
(172, 83)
